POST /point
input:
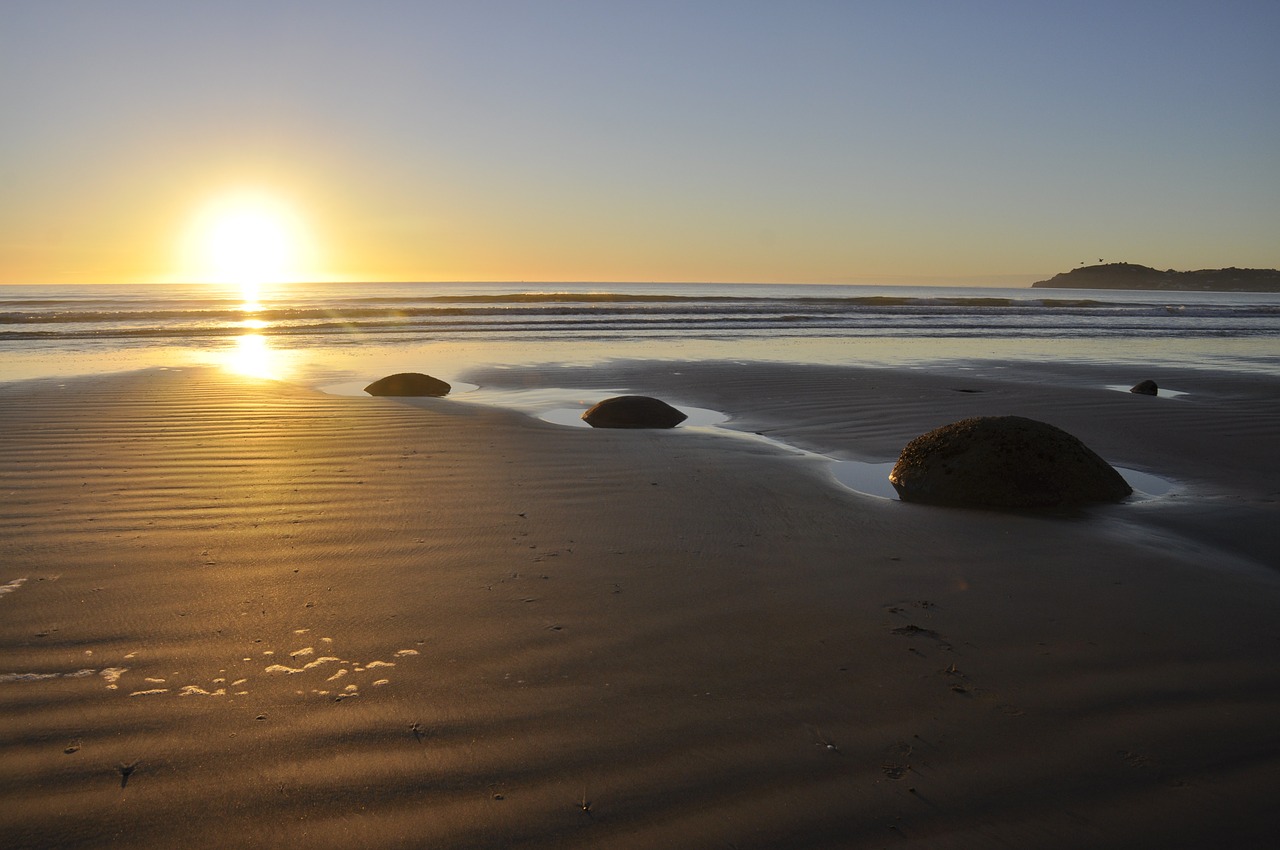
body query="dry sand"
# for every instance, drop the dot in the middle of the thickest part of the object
(239, 613)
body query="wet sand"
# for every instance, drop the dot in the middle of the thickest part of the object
(244, 613)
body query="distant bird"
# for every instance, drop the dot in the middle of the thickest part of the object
(1100, 259)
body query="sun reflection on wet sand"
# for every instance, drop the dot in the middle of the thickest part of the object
(254, 357)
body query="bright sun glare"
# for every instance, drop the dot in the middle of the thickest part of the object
(247, 240)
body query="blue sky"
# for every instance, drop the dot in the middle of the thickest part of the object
(806, 142)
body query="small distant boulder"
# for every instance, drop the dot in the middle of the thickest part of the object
(1004, 462)
(408, 384)
(633, 411)
(1145, 388)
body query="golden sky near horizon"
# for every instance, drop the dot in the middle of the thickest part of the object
(706, 141)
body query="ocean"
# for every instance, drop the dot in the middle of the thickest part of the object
(325, 333)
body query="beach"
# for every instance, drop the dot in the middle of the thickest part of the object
(243, 612)
(955, 524)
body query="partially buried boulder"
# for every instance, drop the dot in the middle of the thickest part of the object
(408, 384)
(633, 411)
(1003, 462)
(1145, 388)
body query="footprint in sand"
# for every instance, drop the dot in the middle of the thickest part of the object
(958, 682)
(896, 763)
(911, 630)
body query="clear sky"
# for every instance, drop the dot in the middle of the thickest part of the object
(669, 141)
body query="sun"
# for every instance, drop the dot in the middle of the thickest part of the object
(251, 244)
(248, 240)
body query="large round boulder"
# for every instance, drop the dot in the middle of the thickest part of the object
(408, 384)
(1003, 462)
(633, 411)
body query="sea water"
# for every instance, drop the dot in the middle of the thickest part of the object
(327, 333)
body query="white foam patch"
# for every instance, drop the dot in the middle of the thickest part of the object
(381, 682)
(281, 668)
(40, 677)
(373, 664)
(336, 676)
(306, 650)
(151, 692)
(196, 690)
(403, 652)
(10, 587)
(112, 675)
(327, 659)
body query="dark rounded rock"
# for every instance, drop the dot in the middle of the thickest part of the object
(1003, 462)
(1145, 388)
(408, 384)
(633, 411)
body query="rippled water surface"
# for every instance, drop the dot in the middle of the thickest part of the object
(324, 331)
